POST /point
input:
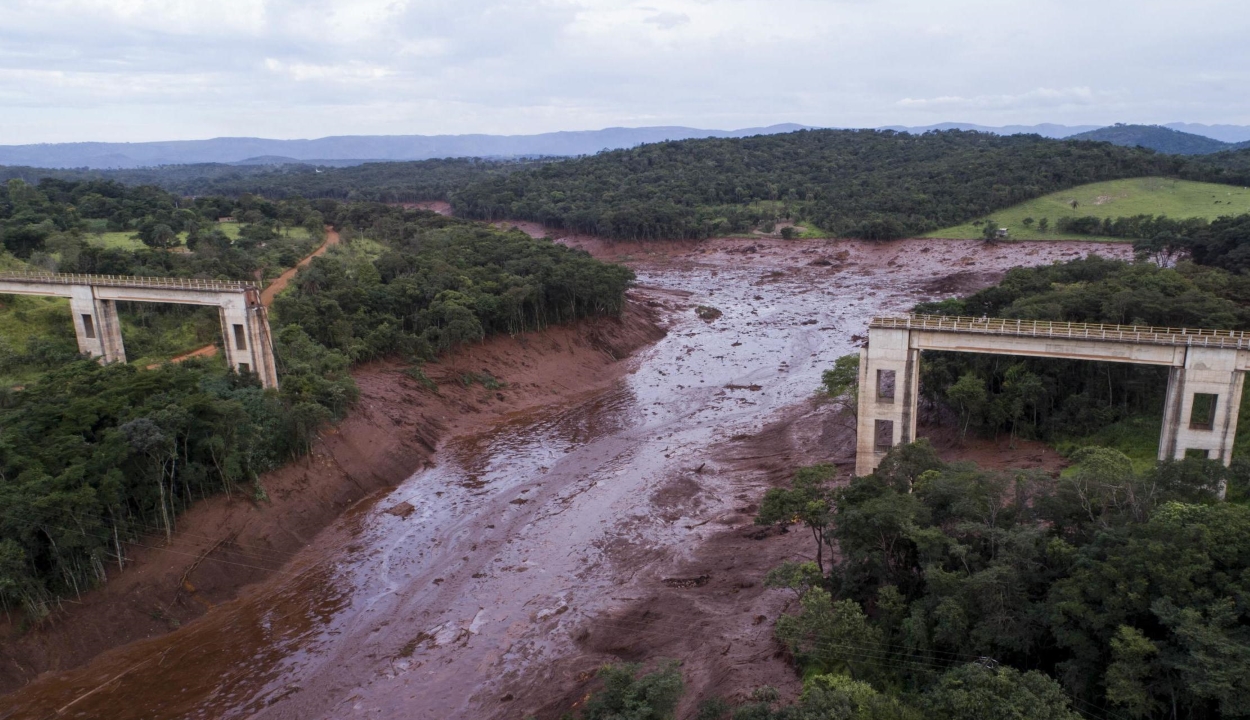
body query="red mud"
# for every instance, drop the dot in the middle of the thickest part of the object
(614, 524)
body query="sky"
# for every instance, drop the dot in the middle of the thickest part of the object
(135, 70)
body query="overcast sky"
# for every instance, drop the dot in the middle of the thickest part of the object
(137, 70)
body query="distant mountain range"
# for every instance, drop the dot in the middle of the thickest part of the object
(1180, 138)
(1159, 138)
(353, 148)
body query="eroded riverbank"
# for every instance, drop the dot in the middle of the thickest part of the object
(611, 525)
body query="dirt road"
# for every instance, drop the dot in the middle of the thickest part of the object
(270, 292)
(616, 525)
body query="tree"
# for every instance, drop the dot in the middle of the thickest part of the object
(969, 395)
(1133, 661)
(842, 382)
(809, 501)
(838, 697)
(989, 231)
(158, 235)
(626, 696)
(976, 692)
(1028, 222)
(1043, 224)
(832, 637)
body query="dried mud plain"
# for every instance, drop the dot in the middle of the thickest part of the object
(603, 511)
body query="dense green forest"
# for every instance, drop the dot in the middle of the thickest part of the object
(93, 457)
(870, 184)
(434, 282)
(1126, 588)
(856, 183)
(956, 593)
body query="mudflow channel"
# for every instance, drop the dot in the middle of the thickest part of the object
(520, 536)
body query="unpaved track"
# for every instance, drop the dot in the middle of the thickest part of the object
(566, 537)
(270, 292)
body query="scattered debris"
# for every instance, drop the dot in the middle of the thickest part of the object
(684, 583)
(707, 313)
(402, 510)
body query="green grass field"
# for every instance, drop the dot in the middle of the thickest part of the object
(127, 241)
(1116, 198)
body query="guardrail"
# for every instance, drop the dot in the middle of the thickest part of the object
(130, 281)
(1078, 331)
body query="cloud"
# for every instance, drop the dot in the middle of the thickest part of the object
(668, 20)
(1040, 97)
(149, 69)
(344, 72)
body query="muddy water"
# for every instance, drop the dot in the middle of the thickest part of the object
(476, 572)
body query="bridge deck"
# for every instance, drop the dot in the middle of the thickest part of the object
(1231, 339)
(128, 281)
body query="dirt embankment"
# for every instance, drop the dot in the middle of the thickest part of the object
(225, 543)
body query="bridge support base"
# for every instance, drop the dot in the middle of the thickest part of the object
(1203, 400)
(889, 377)
(245, 337)
(96, 324)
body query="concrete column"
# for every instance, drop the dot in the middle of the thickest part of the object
(96, 324)
(888, 383)
(245, 336)
(1191, 425)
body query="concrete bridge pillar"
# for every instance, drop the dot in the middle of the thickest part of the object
(889, 377)
(245, 336)
(1203, 399)
(96, 324)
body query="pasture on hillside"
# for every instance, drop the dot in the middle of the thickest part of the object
(1176, 199)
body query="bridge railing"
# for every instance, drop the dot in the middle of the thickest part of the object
(1069, 330)
(129, 281)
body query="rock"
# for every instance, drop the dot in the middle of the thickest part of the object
(402, 510)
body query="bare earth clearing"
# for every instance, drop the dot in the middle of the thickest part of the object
(601, 511)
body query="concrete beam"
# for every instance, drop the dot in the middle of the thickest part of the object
(1069, 348)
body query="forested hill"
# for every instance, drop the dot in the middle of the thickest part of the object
(865, 183)
(859, 183)
(1156, 137)
(1231, 167)
(395, 182)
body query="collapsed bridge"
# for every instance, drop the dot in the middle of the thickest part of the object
(1207, 371)
(93, 305)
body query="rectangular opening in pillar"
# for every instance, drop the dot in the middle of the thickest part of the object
(885, 386)
(883, 432)
(1202, 414)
